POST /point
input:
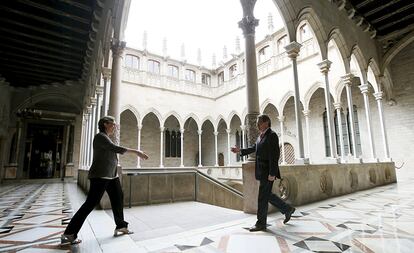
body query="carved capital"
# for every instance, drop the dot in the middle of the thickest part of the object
(293, 49)
(248, 25)
(199, 132)
(162, 129)
(337, 106)
(324, 66)
(182, 130)
(305, 113)
(93, 101)
(348, 79)
(378, 95)
(99, 90)
(281, 118)
(228, 131)
(118, 48)
(106, 73)
(216, 133)
(364, 88)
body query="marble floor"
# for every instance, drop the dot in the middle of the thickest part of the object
(33, 215)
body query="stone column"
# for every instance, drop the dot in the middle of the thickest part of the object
(115, 93)
(243, 128)
(215, 148)
(282, 137)
(161, 146)
(378, 97)
(83, 142)
(93, 124)
(89, 136)
(338, 108)
(106, 74)
(293, 50)
(364, 90)
(228, 147)
(182, 146)
(139, 127)
(248, 25)
(347, 79)
(199, 147)
(306, 114)
(99, 92)
(324, 67)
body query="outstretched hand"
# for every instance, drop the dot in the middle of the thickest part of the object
(142, 155)
(235, 149)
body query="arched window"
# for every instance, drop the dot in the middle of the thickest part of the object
(131, 61)
(344, 133)
(173, 71)
(172, 143)
(326, 134)
(357, 133)
(264, 54)
(304, 33)
(153, 67)
(233, 71)
(190, 75)
(206, 79)
(167, 143)
(281, 43)
(220, 77)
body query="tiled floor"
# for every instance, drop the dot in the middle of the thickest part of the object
(32, 216)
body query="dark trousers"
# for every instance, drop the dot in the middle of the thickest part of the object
(266, 196)
(96, 191)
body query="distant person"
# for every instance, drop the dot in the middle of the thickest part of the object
(103, 176)
(266, 171)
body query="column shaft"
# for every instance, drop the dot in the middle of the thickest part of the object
(348, 82)
(139, 127)
(199, 147)
(364, 90)
(341, 134)
(182, 146)
(282, 137)
(378, 97)
(228, 147)
(161, 146)
(215, 149)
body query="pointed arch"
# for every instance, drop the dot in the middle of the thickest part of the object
(231, 115)
(176, 115)
(266, 103)
(155, 112)
(43, 96)
(309, 93)
(284, 8)
(361, 62)
(340, 85)
(282, 103)
(373, 73)
(217, 122)
(133, 110)
(307, 14)
(336, 36)
(391, 53)
(194, 117)
(208, 118)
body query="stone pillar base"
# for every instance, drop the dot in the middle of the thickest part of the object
(69, 170)
(387, 160)
(250, 188)
(331, 160)
(10, 171)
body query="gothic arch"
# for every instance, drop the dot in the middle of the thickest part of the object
(391, 53)
(133, 110)
(176, 115)
(266, 103)
(155, 112)
(284, 100)
(308, 15)
(194, 117)
(217, 122)
(43, 96)
(361, 61)
(309, 93)
(208, 118)
(336, 36)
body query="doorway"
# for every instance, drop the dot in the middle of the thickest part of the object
(220, 159)
(43, 150)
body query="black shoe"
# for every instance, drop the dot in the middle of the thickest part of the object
(257, 228)
(288, 214)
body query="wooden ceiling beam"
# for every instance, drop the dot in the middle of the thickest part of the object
(24, 73)
(79, 5)
(44, 31)
(58, 64)
(39, 46)
(363, 3)
(380, 8)
(39, 66)
(55, 11)
(388, 15)
(387, 25)
(26, 51)
(63, 44)
(51, 73)
(44, 20)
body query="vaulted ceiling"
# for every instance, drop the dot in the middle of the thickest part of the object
(44, 42)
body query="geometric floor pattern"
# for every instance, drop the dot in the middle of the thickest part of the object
(32, 216)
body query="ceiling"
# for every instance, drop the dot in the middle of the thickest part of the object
(392, 19)
(44, 41)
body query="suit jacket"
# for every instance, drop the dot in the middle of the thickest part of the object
(105, 160)
(267, 155)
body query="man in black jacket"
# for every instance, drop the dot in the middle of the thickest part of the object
(266, 171)
(103, 176)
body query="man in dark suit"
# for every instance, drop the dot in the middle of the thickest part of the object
(266, 171)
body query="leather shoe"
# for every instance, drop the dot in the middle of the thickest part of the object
(288, 215)
(257, 228)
